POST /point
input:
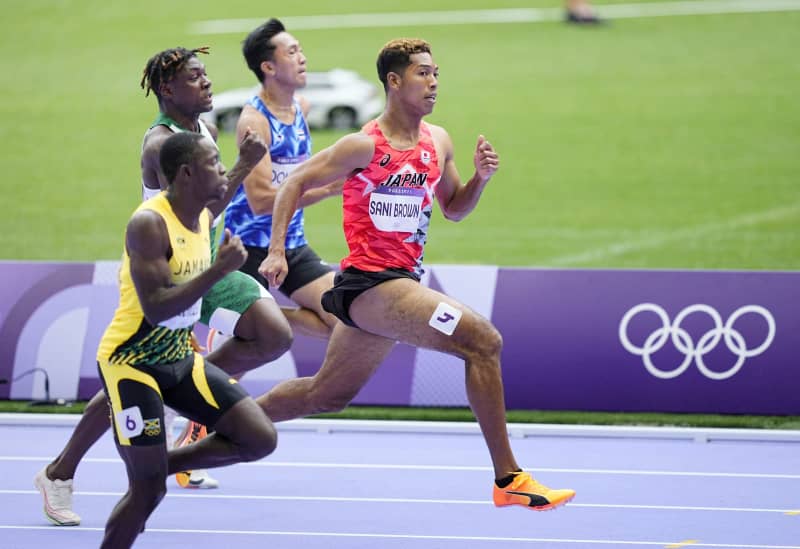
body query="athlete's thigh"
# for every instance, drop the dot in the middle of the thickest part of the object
(146, 464)
(137, 409)
(226, 301)
(351, 358)
(407, 311)
(310, 295)
(262, 319)
(204, 393)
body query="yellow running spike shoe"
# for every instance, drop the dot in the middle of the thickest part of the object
(525, 491)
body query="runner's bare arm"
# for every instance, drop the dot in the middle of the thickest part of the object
(148, 247)
(350, 153)
(252, 148)
(258, 185)
(455, 199)
(151, 164)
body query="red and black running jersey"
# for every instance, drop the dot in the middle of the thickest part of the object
(387, 205)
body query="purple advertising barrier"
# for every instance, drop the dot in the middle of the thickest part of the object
(52, 316)
(29, 299)
(670, 341)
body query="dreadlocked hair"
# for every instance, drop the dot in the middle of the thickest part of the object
(163, 66)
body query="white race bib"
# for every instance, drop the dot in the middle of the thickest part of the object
(396, 209)
(445, 318)
(130, 422)
(281, 168)
(186, 319)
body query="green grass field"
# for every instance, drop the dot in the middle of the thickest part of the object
(663, 142)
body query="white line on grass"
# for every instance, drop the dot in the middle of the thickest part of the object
(689, 234)
(516, 15)
(456, 468)
(195, 531)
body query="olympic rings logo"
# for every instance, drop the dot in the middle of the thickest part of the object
(684, 343)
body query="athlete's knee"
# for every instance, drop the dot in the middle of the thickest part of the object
(261, 441)
(330, 321)
(147, 491)
(278, 340)
(96, 415)
(250, 430)
(494, 340)
(268, 329)
(97, 404)
(486, 344)
(99, 397)
(326, 401)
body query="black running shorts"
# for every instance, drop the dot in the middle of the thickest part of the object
(304, 266)
(352, 282)
(137, 393)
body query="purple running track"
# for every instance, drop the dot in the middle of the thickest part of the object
(400, 488)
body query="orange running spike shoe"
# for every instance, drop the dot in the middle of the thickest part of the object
(525, 491)
(199, 478)
(212, 333)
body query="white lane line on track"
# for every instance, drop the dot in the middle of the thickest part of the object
(194, 531)
(406, 501)
(511, 15)
(416, 467)
(327, 427)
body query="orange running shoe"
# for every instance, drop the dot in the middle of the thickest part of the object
(525, 491)
(195, 344)
(199, 478)
(212, 333)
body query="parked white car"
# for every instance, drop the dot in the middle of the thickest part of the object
(338, 99)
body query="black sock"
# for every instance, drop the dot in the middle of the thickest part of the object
(505, 481)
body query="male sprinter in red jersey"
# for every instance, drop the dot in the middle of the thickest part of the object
(394, 167)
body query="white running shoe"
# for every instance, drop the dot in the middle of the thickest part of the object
(57, 496)
(199, 478)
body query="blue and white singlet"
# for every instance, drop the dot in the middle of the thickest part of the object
(291, 145)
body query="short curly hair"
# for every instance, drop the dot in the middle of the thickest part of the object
(179, 149)
(396, 54)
